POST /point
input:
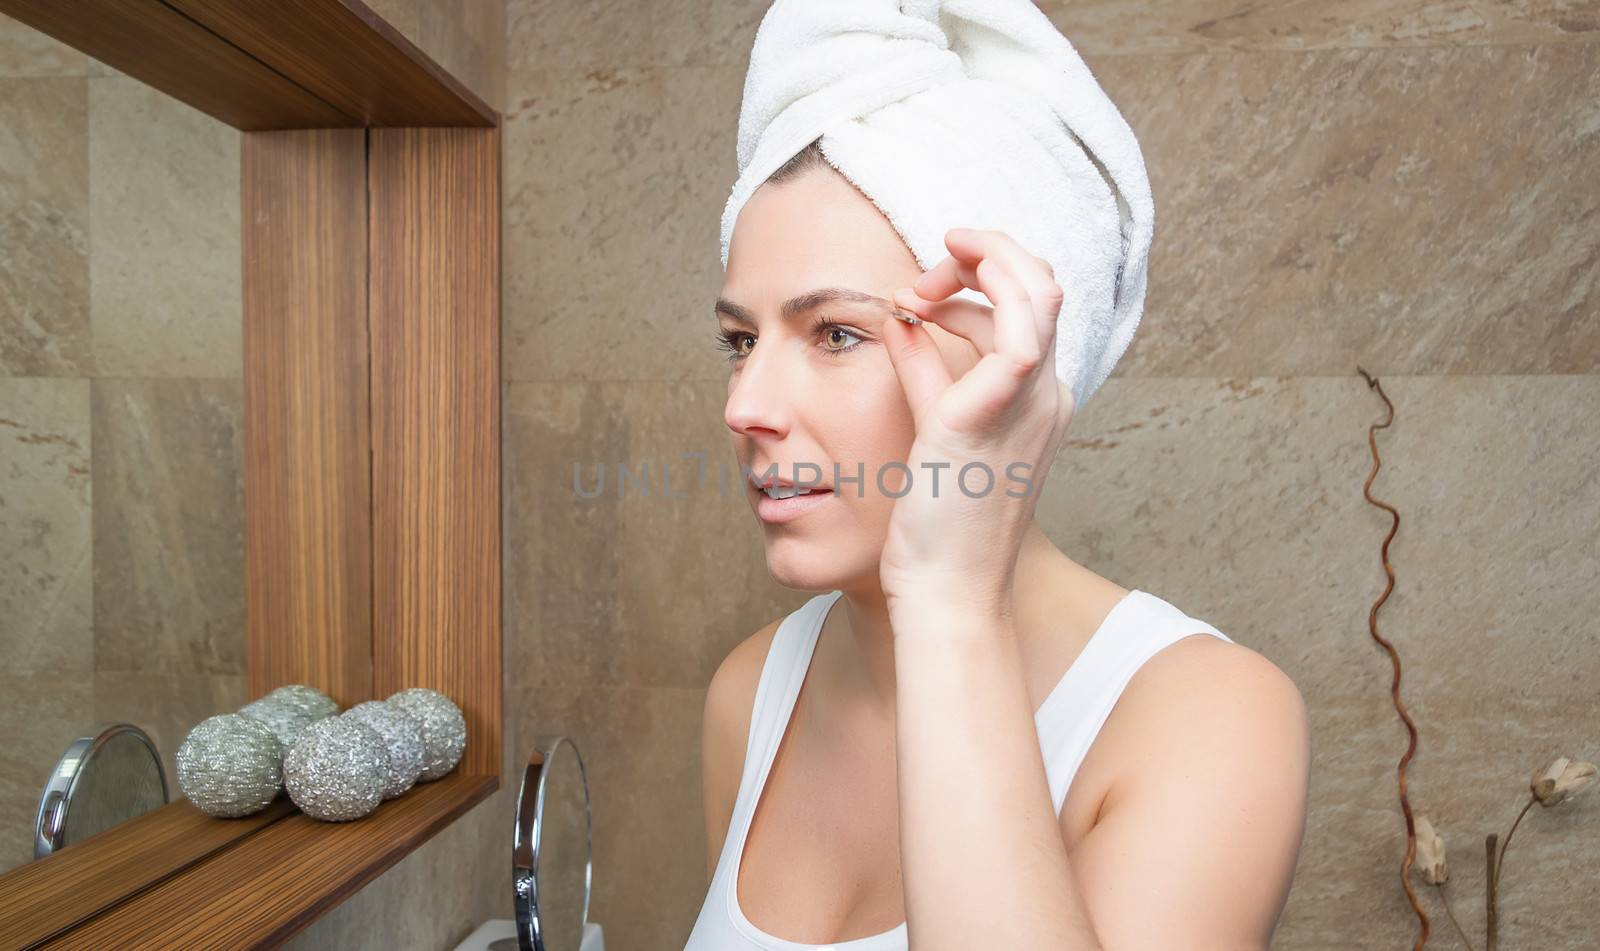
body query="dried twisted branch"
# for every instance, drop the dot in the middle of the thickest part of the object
(1394, 658)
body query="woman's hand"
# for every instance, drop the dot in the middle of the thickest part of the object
(994, 431)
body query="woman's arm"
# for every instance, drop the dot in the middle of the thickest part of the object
(981, 860)
(1213, 810)
(1195, 849)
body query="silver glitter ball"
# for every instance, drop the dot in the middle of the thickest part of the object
(314, 702)
(283, 718)
(402, 737)
(335, 770)
(444, 729)
(230, 765)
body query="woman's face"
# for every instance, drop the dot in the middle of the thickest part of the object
(810, 385)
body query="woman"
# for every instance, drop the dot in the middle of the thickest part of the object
(967, 740)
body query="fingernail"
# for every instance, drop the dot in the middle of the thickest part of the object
(900, 311)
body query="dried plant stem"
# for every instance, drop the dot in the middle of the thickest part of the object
(1492, 879)
(1500, 862)
(1450, 912)
(1394, 658)
(1491, 923)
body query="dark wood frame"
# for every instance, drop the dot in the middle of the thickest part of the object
(370, 190)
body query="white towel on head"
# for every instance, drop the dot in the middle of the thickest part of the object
(963, 113)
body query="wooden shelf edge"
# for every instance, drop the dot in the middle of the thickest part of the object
(46, 897)
(270, 886)
(288, 64)
(346, 55)
(485, 114)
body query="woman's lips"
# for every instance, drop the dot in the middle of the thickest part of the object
(776, 511)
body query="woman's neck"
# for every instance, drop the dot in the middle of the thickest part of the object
(1052, 592)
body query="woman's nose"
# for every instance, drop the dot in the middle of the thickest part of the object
(760, 394)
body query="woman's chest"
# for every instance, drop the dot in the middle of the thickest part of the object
(821, 859)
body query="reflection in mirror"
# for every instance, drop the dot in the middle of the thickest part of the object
(551, 847)
(121, 420)
(104, 778)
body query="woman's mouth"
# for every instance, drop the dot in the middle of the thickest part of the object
(782, 503)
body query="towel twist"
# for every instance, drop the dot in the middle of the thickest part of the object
(962, 113)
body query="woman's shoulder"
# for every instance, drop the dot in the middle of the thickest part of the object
(739, 674)
(1203, 692)
(725, 730)
(730, 697)
(1212, 750)
(731, 694)
(1207, 668)
(1202, 666)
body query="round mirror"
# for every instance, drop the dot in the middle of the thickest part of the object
(107, 777)
(550, 866)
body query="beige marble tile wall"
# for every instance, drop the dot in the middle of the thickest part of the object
(1409, 186)
(121, 489)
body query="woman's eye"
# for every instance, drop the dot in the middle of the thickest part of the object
(830, 339)
(834, 340)
(733, 342)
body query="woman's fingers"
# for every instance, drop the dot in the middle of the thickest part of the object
(966, 319)
(1016, 334)
(946, 277)
(969, 248)
(1014, 339)
(917, 362)
(983, 260)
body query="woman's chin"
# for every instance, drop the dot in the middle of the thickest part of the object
(810, 565)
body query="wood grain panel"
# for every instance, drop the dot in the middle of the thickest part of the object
(161, 47)
(41, 899)
(346, 55)
(266, 888)
(308, 567)
(435, 324)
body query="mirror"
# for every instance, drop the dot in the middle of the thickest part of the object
(104, 778)
(282, 269)
(552, 843)
(121, 510)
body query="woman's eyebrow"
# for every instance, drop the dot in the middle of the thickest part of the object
(795, 306)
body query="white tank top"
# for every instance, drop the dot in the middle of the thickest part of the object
(1067, 722)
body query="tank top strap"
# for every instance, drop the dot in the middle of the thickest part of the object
(1070, 718)
(778, 688)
